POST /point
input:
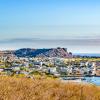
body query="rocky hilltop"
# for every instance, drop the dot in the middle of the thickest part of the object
(52, 52)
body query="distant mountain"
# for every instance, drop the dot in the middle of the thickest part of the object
(87, 54)
(52, 52)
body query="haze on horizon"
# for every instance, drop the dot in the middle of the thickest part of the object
(74, 24)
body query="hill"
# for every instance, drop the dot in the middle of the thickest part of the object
(52, 52)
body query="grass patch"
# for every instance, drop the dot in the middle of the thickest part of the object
(12, 88)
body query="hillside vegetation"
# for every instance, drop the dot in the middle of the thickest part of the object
(12, 88)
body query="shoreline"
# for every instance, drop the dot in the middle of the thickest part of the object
(86, 81)
(81, 76)
(78, 82)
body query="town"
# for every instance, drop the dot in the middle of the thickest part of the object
(49, 66)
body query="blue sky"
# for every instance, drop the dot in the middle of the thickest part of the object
(50, 19)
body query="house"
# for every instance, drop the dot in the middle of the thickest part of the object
(63, 69)
(17, 68)
(1, 69)
(52, 70)
(7, 69)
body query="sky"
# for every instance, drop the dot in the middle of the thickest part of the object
(74, 24)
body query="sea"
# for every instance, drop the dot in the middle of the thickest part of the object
(88, 54)
(93, 80)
